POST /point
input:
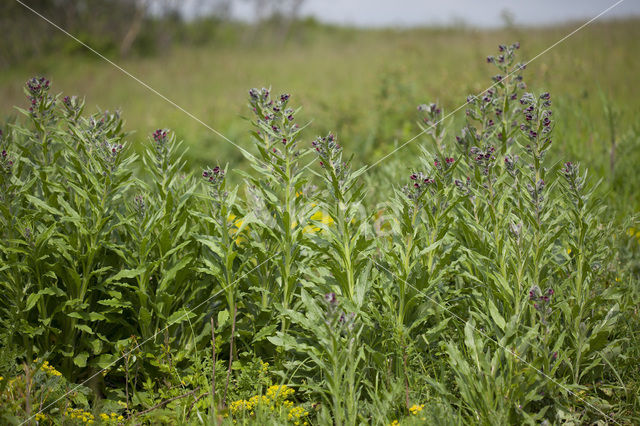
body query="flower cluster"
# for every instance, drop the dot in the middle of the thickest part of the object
(6, 163)
(432, 118)
(279, 392)
(464, 186)
(570, 171)
(330, 155)
(112, 150)
(41, 103)
(79, 414)
(111, 419)
(448, 162)
(275, 118)
(415, 409)
(296, 414)
(161, 143)
(510, 163)
(481, 107)
(535, 192)
(72, 107)
(421, 183)
(336, 318)
(537, 124)
(49, 369)
(327, 149)
(275, 398)
(488, 107)
(483, 158)
(506, 54)
(140, 205)
(541, 301)
(215, 180)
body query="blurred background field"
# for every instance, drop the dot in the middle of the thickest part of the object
(362, 83)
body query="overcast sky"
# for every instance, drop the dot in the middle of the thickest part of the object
(480, 13)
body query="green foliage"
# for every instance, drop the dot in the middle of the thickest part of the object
(490, 288)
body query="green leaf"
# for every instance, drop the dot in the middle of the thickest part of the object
(180, 316)
(32, 300)
(85, 328)
(495, 314)
(81, 359)
(223, 317)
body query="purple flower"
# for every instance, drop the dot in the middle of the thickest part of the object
(331, 298)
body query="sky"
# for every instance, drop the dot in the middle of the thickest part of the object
(477, 13)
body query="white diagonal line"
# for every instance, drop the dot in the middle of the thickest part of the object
(148, 339)
(499, 344)
(494, 84)
(138, 80)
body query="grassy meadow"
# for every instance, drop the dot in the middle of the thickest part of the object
(362, 84)
(487, 273)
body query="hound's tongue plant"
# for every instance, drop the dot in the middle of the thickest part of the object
(489, 288)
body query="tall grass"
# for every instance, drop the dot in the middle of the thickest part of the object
(490, 287)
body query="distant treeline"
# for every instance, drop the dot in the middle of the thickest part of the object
(130, 27)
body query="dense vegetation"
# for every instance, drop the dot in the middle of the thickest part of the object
(490, 286)
(364, 85)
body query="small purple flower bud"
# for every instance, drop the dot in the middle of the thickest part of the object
(331, 298)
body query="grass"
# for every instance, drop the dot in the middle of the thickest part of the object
(362, 84)
(475, 281)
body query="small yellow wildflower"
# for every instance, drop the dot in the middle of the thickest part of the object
(568, 251)
(279, 392)
(40, 417)
(415, 409)
(1, 378)
(50, 370)
(80, 414)
(394, 423)
(296, 413)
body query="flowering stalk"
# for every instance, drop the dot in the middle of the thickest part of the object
(341, 200)
(215, 180)
(281, 179)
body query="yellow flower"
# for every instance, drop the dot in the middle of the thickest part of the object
(394, 423)
(1, 378)
(415, 409)
(237, 225)
(279, 392)
(296, 413)
(568, 251)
